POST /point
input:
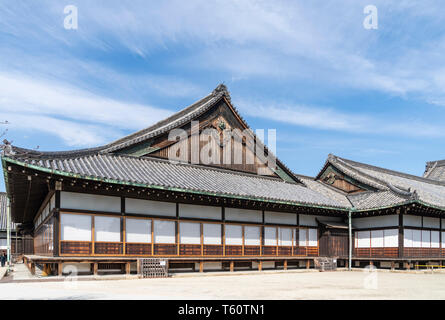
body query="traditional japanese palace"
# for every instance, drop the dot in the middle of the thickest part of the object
(113, 204)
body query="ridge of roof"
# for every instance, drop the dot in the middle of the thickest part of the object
(440, 163)
(429, 168)
(175, 120)
(435, 170)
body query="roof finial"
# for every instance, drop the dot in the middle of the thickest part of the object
(6, 148)
(221, 90)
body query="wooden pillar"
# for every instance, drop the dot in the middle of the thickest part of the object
(95, 268)
(32, 268)
(138, 266)
(60, 268)
(401, 235)
(56, 226)
(308, 264)
(232, 266)
(128, 268)
(201, 266)
(260, 265)
(285, 264)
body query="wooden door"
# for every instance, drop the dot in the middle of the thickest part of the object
(333, 242)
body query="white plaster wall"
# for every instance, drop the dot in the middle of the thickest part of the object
(308, 220)
(429, 222)
(200, 212)
(376, 222)
(280, 218)
(412, 221)
(236, 214)
(92, 202)
(149, 207)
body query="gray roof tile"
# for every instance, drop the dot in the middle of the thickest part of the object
(162, 173)
(402, 185)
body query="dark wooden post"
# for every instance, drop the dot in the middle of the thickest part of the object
(60, 268)
(56, 225)
(123, 226)
(285, 264)
(32, 268)
(401, 236)
(232, 266)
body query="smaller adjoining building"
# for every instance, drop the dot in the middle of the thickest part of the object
(20, 244)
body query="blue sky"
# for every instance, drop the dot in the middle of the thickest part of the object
(308, 69)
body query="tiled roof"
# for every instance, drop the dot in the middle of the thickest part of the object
(176, 120)
(380, 199)
(152, 172)
(397, 185)
(435, 170)
(326, 190)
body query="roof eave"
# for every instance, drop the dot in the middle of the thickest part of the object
(175, 189)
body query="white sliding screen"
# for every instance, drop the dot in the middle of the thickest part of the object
(285, 237)
(252, 236)
(408, 238)
(75, 227)
(302, 237)
(138, 230)
(426, 239)
(164, 231)
(234, 234)
(391, 238)
(270, 236)
(107, 229)
(443, 240)
(363, 239)
(435, 239)
(417, 238)
(212, 233)
(312, 238)
(377, 239)
(190, 233)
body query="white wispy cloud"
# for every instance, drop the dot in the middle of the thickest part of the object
(77, 116)
(291, 41)
(323, 118)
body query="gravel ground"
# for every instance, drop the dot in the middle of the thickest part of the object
(289, 285)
